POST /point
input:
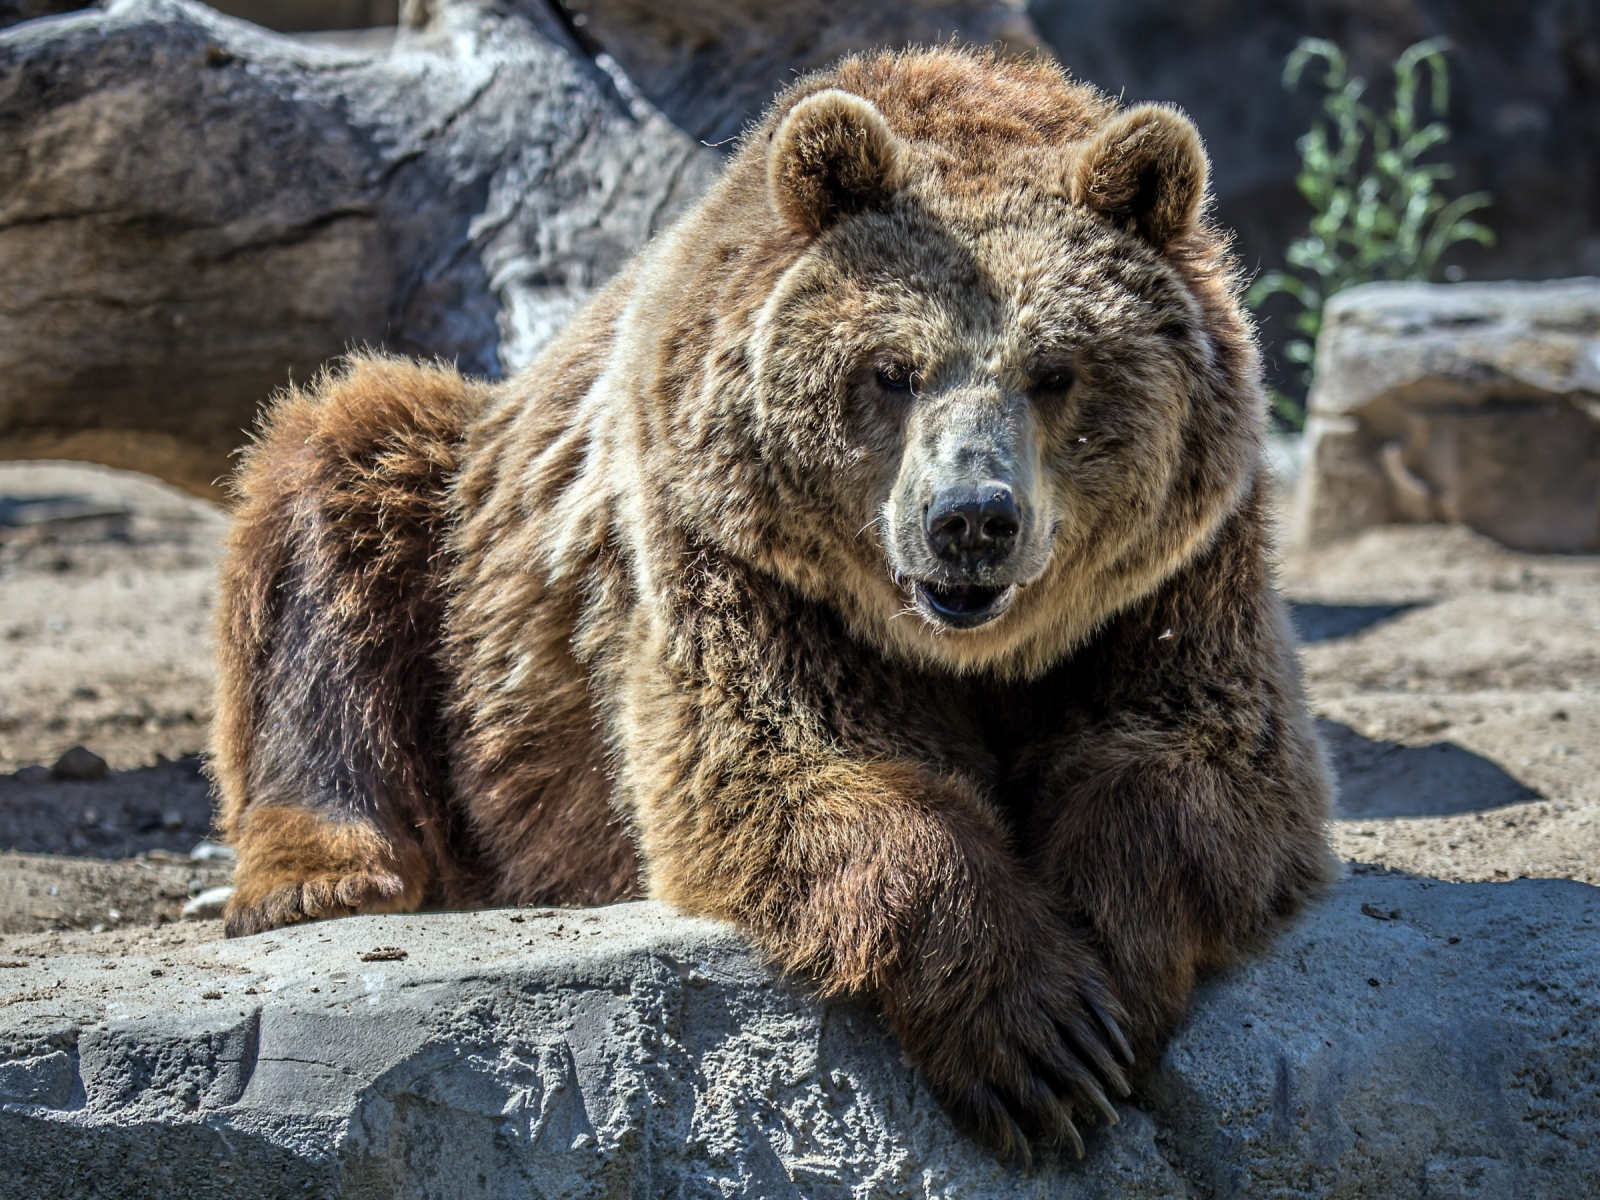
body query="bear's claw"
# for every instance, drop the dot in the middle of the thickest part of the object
(1115, 1031)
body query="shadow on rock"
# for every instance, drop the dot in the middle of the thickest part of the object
(1329, 622)
(1386, 779)
(159, 1156)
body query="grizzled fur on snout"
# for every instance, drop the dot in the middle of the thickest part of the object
(879, 563)
(971, 506)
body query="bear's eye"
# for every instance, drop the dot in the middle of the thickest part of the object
(1053, 381)
(894, 377)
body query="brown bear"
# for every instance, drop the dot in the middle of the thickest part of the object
(879, 563)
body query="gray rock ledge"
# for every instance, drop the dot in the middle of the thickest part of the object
(1405, 1038)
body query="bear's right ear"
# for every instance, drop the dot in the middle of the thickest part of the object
(834, 155)
(1147, 170)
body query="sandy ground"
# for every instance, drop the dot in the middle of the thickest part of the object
(1465, 715)
(104, 619)
(1456, 682)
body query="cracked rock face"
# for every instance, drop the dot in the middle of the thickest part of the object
(1469, 403)
(1404, 1039)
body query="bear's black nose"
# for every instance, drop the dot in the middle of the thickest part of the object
(973, 522)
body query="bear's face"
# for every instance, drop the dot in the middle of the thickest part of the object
(998, 397)
(992, 402)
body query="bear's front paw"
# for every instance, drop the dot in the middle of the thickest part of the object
(258, 909)
(297, 866)
(1030, 1056)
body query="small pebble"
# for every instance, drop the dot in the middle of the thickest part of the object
(79, 764)
(206, 850)
(34, 774)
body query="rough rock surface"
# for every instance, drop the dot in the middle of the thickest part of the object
(1470, 403)
(192, 210)
(1405, 1039)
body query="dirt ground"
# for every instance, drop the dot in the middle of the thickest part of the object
(1456, 682)
(1464, 716)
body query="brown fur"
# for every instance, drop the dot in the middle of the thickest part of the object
(672, 574)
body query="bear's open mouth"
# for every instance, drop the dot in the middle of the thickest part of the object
(962, 605)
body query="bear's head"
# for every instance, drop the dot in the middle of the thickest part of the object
(971, 365)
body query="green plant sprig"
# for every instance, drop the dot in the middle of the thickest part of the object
(1376, 213)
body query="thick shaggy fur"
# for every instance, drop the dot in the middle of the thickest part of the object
(660, 592)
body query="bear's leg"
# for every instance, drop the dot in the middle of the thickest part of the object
(329, 745)
(1176, 866)
(1189, 818)
(530, 765)
(867, 874)
(296, 865)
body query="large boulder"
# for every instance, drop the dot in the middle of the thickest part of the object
(1403, 1039)
(193, 210)
(1471, 403)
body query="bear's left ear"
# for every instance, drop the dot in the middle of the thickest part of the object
(1146, 169)
(834, 155)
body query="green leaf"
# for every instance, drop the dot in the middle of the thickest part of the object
(1376, 212)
